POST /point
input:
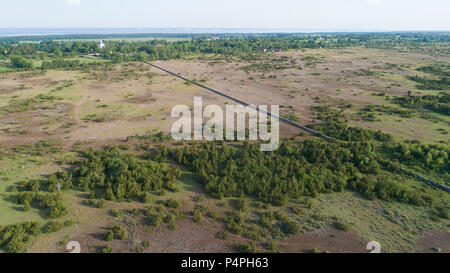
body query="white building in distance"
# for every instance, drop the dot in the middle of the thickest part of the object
(101, 45)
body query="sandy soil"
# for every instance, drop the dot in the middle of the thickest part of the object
(326, 240)
(436, 241)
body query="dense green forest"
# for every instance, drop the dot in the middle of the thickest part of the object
(293, 171)
(122, 176)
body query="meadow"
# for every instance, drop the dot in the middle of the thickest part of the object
(386, 106)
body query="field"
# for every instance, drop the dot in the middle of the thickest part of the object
(48, 117)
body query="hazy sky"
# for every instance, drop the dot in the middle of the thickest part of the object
(303, 14)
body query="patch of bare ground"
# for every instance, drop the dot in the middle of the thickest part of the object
(318, 77)
(188, 238)
(325, 240)
(128, 102)
(435, 241)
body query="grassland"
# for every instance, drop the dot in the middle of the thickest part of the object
(108, 104)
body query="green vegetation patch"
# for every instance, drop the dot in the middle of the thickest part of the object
(436, 103)
(294, 170)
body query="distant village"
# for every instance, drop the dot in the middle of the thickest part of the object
(102, 45)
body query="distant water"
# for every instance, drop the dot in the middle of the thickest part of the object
(70, 31)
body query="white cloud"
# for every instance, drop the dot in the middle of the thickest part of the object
(72, 3)
(374, 2)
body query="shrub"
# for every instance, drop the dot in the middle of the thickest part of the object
(146, 198)
(14, 238)
(54, 226)
(124, 147)
(271, 245)
(156, 219)
(242, 203)
(172, 203)
(235, 221)
(57, 211)
(106, 249)
(26, 197)
(115, 212)
(213, 214)
(442, 212)
(123, 234)
(109, 236)
(26, 206)
(223, 235)
(342, 226)
(173, 227)
(69, 223)
(31, 185)
(198, 217)
(291, 227)
(266, 220)
(101, 203)
(247, 248)
(48, 200)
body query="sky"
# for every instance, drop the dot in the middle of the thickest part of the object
(279, 14)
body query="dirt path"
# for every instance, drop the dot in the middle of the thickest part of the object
(287, 121)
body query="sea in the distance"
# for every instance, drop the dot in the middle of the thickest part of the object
(72, 31)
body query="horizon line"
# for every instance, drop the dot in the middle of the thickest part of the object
(9, 32)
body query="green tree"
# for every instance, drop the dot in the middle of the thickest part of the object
(21, 63)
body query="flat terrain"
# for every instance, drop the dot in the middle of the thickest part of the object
(108, 104)
(134, 98)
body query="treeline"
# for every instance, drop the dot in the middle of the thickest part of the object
(21, 63)
(435, 103)
(442, 83)
(433, 157)
(342, 131)
(437, 69)
(37, 38)
(294, 170)
(162, 49)
(227, 45)
(368, 113)
(433, 43)
(60, 63)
